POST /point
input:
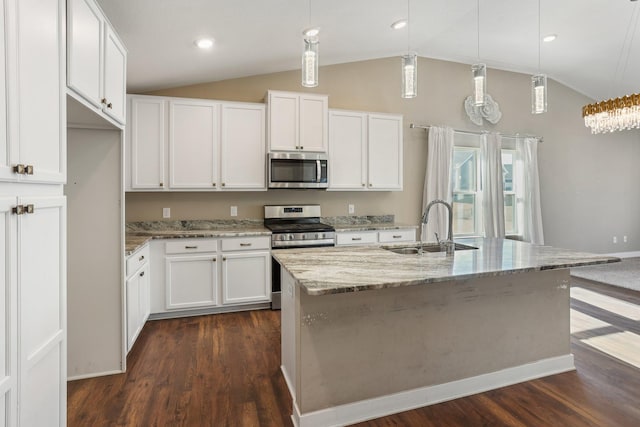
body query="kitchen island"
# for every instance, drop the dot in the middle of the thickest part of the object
(367, 332)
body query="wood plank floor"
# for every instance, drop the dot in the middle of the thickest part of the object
(223, 370)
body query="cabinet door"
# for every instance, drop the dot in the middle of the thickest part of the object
(385, 152)
(115, 76)
(314, 123)
(42, 311)
(243, 151)
(84, 63)
(347, 150)
(133, 309)
(5, 152)
(246, 277)
(145, 295)
(193, 144)
(41, 89)
(191, 281)
(8, 310)
(283, 121)
(147, 139)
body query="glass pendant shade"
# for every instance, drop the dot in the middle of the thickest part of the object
(310, 62)
(538, 94)
(410, 75)
(479, 72)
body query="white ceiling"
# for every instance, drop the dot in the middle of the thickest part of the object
(263, 36)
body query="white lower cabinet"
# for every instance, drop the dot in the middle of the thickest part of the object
(192, 281)
(137, 293)
(246, 277)
(371, 237)
(206, 273)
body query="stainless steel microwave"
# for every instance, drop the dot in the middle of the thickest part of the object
(298, 170)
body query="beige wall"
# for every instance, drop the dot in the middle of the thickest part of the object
(587, 181)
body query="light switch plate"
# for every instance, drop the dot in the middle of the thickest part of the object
(352, 209)
(166, 212)
(234, 211)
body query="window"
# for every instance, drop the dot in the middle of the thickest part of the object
(467, 191)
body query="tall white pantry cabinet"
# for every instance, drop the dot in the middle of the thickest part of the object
(33, 212)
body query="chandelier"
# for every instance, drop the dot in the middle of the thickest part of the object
(613, 114)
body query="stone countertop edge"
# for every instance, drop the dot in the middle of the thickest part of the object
(135, 240)
(335, 270)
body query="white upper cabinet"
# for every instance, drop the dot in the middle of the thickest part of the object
(243, 148)
(385, 152)
(33, 99)
(204, 145)
(115, 72)
(297, 121)
(365, 151)
(193, 144)
(146, 143)
(97, 60)
(347, 150)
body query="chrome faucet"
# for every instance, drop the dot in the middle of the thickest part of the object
(425, 218)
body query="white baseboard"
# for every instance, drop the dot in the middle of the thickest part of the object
(288, 381)
(407, 400)
(631, 254)
(93, 375)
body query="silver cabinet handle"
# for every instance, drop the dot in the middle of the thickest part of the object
(141, 273)
(23, 209)
(141, 258)
(161, 184)
(20, 169)
(356, 238)
(318, 171)
(28, 170)
(396, 236)
(191, 247)
(214, 260)
(224, 258)
(245, 244)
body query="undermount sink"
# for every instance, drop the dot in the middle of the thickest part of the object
(429, 247)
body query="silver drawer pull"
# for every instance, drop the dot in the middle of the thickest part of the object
(396, 236)
(141, 258)
(245, 244)
(141, 273)
(191, 247)
(356, 238)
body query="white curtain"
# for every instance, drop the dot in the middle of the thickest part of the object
(532, 215)
(437, 181)
(492, 185)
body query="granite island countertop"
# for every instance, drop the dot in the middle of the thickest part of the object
(321, 271)
(139, 233)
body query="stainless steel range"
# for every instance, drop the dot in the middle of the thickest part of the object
(294, 226)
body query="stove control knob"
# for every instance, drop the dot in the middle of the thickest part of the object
(317, 236)
(304, 236)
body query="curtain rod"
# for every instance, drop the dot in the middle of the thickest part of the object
(471, 132)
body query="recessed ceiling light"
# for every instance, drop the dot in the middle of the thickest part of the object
(311, 32)
(204, 43)
(401, 23)
(549, 38)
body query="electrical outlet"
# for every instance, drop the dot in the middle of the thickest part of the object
(166, 212)
(352, 209)
(615, 239)
(624, 239)
(234, 211)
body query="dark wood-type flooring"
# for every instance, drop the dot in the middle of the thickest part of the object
(223, 370)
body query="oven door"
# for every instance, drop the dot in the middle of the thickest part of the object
(298, 170)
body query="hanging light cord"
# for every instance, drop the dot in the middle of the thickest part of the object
(478, 28)
(626, 45)
(408, 26)
(538, 36)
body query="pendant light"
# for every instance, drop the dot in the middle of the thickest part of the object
(479, 71)
(538, 83)
(409, 66)
(310, 55)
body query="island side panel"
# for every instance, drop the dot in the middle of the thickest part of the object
(360, 345)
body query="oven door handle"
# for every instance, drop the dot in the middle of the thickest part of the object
(318, 171)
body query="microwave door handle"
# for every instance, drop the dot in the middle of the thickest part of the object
(318, 171)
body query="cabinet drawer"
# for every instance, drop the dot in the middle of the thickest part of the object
(188, 246)
(362, 238)
(137, 260)
(397, 236)
(246, 243)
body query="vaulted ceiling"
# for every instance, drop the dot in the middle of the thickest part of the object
(597, 50)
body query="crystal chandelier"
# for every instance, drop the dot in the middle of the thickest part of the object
(613, 114)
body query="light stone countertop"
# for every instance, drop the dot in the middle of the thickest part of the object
(139, 233)
(321, 271)
(343, 228)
